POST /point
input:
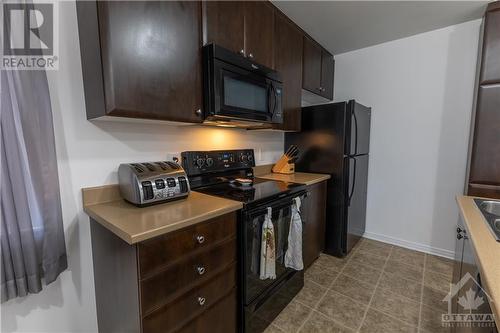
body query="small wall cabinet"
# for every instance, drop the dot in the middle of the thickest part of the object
(318, 69)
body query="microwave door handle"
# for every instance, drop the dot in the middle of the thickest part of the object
(273, 93)
(269, 91)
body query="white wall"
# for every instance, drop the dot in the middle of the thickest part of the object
(88, 155)
(421, 91)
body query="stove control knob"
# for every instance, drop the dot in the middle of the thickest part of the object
(200, 162)
(250, 158)
(209, 162)
(243, 158)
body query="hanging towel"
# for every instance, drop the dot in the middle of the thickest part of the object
(293, 255)
(267, 253)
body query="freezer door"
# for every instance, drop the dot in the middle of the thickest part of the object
(358, 138)
(356, 199)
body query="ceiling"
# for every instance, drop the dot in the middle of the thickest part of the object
(342, 26)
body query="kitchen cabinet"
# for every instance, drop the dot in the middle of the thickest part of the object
(484, 164)
(245, 27)
(141, 59)
(314, 216)
(183, 281)
(465, 263)
(288, 61)
(318, 69)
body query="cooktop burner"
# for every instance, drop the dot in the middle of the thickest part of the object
(261, 189)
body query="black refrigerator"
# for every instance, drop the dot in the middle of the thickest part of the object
(335, 140)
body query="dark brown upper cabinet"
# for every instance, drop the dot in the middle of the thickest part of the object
(288, 61)
(318, 69)
(142, 59)
(484, 165)
(245, 27)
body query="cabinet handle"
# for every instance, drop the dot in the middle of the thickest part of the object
(250, 56)
(242, 52)
(198, 112)
(200, 239)
(200, 270)
(201, 300)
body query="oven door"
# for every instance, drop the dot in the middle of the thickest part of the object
(241, 94)
(253, 286)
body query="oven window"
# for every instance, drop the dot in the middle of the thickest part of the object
(244, 95)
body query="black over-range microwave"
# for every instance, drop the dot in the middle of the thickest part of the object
(239, 92)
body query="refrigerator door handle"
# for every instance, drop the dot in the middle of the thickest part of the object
(356, 128)
(351, 192)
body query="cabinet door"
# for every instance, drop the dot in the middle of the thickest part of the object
(288, 61)
(314, 223)
(327, 71)
(224, 24)
(311, 70)
(151, 59)
(259, 31)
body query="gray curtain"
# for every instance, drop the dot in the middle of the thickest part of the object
(32, 235)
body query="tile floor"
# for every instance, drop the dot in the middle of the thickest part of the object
(377, 288)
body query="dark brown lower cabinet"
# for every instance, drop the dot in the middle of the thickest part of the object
(314, 223)
(142, 288)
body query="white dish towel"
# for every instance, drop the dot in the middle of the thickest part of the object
(268, 248)
(293, 255)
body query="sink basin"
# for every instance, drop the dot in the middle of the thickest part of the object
(492, 207)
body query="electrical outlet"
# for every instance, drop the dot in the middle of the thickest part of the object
(173, 156)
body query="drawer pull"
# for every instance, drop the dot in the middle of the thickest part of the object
(200, 270)
(201, 300)
(200, 239)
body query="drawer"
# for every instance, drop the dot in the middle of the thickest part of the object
(160, 288)
(163, 250)
(219, 318)
(181, 311)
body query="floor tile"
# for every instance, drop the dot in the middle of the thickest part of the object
(434, 298)
(377, 322)
(362, 272)
(406, 256)
(437, 281)
(396, 306)
(439, 265)
(331, 262)
(320, 275)
(292, 317)
(318, 323)
(357, 290)
(405, 271)
(368, 259)
(342, 309)
(431, 320)
(404, 287)
(375, 248)
(310, 294)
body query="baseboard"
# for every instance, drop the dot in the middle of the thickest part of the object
(410, 245)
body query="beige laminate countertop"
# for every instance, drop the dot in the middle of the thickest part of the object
(133, 224)
(486, 249)
(297, 177)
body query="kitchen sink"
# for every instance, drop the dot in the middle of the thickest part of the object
(490, 209)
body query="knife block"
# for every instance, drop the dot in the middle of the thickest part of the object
(287, 169)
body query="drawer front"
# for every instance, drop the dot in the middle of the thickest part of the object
(161, 288)
(178, 313)
(161, 251)
(219, 318)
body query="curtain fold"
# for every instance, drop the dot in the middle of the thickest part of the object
(32, 234)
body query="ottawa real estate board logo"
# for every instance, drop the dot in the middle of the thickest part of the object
(30, 36)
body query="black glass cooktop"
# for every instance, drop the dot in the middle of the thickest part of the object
(260, 190)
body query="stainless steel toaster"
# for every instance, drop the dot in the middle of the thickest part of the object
(144, 184)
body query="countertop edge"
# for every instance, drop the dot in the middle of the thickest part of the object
(486, 272)
(315, 178)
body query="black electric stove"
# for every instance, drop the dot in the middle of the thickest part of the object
(229, 174)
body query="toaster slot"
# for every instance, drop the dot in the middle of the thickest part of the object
(183, 184)
(147, 190)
